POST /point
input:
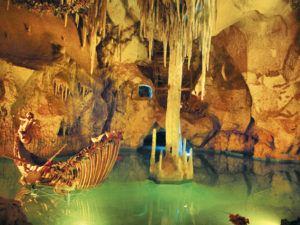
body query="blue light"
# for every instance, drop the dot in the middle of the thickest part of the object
(160, 143)
(198, 8)
(180, 141)
(145, 91)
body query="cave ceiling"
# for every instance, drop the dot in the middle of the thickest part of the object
(36, 35)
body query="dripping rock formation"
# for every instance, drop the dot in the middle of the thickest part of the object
(79, 82)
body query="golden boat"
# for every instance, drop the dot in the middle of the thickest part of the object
(86, 169)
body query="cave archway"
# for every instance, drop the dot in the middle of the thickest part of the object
(146, 149)
(145, 91)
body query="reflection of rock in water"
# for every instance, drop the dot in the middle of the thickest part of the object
(258, 180)
(11, 213)
(43, 205)
(9, 176)
(40, 205)
(286, 222)
(93, 206)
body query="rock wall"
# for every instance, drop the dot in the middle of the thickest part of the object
(253, 86)
(71, 106)
(252, 100)
(270, 67)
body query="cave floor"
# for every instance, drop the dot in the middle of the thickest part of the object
(263, 192)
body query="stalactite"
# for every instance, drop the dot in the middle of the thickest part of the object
(77, 19)
(93, 49)
(194, 20)
(223, 72)
(97, 23)
(7, 5)
(64, 129)
(68, 93)
(178, 23)
(63, 94)
(119, 44)
(84, 34)
(66, 19)
(165, 45)
(54, 87)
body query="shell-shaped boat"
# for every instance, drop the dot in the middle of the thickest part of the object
(86, 169)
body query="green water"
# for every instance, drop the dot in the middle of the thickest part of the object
(128, 198)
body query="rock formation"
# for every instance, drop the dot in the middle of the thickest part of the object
(11, 213)
(252, 84)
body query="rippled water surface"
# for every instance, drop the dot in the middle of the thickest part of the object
(263, 192)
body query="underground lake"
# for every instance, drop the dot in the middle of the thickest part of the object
(264, 192)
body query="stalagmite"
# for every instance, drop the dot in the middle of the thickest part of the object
(160, 160)
(191, 158)
(184, 153)
(153, 150)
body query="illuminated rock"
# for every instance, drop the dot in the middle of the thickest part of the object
(275, 111)
(132, 51)
(133, 114)
(171, 167)
(253, 76)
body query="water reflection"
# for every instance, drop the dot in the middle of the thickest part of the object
(263, 193)
(123, 203)
(149, 203)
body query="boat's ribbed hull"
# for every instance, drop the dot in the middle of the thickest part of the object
(94, 170)
(84, 170)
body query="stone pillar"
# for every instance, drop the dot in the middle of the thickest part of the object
(174, 99)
